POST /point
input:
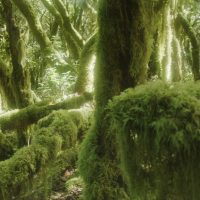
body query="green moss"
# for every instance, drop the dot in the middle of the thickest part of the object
(194, 42)
(61, 123)
(85, 58)
(20, 168)
(65, 161)
(8, 145)
(121, 63)
(157, 128)
(100, 171)
(30, 168)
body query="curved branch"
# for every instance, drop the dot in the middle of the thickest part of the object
(34, 24)
(73, 48)
(85, 58)
(66, 22)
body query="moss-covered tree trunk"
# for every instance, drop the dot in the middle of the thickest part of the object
(19, 78)
(126, 30)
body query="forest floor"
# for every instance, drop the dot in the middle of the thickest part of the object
(65, 191)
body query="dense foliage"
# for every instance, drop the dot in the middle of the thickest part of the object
(140, 58)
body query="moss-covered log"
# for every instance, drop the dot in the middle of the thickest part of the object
(195, 45)
(31, 114)
(34, 24)
(54, 133)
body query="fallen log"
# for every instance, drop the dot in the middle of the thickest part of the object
(22, 118)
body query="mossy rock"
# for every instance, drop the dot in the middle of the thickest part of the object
(157, 127)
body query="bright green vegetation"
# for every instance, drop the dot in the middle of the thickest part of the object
(157, 131)
(54, 136)
(136, 136)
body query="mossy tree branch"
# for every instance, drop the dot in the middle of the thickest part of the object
(34, 24)
(31, 114)
(86, 55)
(73, 48)
(66, 22)
(194, 42)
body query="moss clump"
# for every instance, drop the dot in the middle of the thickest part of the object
(20, 169)
(8, 145)
(64, 124)
(54, 133)
(158, 132)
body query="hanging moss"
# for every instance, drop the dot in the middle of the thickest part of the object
(176, 60)
(154, 65)
(157, 128)
(195, 45)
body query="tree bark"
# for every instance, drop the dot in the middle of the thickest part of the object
(195, 46)
(125, 39)
(19, 78)
(86, 55)
(6, 87)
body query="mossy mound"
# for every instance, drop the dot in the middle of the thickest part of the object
(31, 171)
(157, 127)
(8, 145)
